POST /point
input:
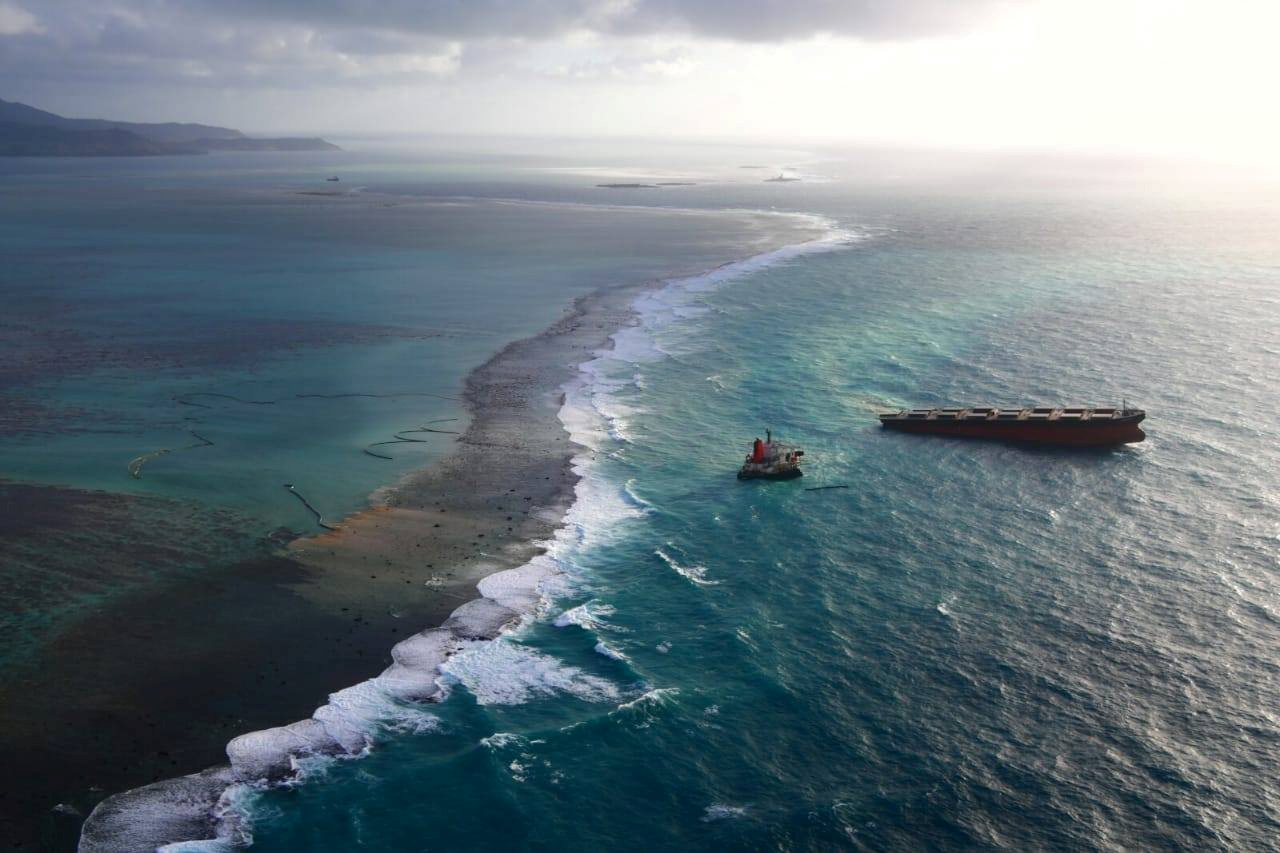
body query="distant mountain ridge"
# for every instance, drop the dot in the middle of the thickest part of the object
(31, 132)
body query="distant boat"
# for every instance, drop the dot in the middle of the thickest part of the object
(1080, 427)
(782, 178)
(771, 460)
(334, 178)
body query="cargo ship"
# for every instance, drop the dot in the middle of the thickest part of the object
(1079, 427)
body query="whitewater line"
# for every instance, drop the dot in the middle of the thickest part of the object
(184, 808)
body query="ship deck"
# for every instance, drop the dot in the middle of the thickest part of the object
(1044, 414)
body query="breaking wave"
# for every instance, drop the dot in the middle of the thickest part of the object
(509, 673)
(694, 574)
(587, 616)
(720, 811)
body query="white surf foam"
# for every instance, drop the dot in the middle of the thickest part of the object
(603, 648)
(147, 818)
(589, 615)
(663, 306)
(721, 811)
(694, 574)
(629, 488)
(502, 740)
(650, 698)
(506, 672)
(234, 831)
(596, 406)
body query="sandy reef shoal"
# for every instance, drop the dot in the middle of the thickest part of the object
(417, 554)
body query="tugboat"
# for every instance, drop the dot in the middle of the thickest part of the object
(771, 460)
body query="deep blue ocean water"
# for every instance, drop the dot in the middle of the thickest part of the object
(973, 646)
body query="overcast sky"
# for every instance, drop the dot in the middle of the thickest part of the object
(1193, 77)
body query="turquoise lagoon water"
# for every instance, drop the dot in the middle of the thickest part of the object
(132, 310)
(206, 330)
(972, 646)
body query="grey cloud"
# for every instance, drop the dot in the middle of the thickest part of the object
(778, 20)
(150, 41)
(305, 43)
(752, 20)
(749, 20)
(460, 19)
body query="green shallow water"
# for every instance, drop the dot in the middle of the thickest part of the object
(199, 323)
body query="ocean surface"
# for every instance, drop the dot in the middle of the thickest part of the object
(966, 646)
(198, 332)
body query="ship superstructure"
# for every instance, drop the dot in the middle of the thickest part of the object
(771, 460)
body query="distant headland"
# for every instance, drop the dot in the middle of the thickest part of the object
(29, 132)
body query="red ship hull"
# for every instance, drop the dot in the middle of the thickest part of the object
(1072, 427)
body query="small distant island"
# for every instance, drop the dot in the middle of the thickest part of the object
(647, 186)
(26, 131)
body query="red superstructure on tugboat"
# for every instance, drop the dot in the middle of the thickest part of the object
(771, 460)
(1081, 427)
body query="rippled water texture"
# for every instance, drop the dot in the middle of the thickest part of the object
(974, 645)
